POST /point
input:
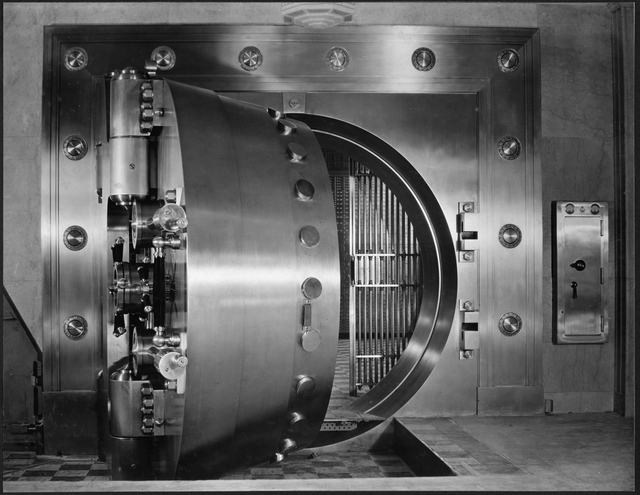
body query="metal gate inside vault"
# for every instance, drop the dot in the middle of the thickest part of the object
(380, 270)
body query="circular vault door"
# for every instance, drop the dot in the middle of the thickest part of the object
(262, 279)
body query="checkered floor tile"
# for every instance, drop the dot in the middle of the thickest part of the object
(302, 465)
(299, 465)
(25, 466)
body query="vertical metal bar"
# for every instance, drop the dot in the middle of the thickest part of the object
(352, 289)
(387, 280)
(406, 282)
(397, 274)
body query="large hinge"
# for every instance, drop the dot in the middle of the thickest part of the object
(467, 227)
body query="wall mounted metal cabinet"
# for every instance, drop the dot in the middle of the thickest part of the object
(580, 255)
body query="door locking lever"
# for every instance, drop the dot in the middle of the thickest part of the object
(574, 286)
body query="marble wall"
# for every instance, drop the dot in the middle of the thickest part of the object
(576, 133)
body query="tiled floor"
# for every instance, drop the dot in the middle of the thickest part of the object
(569, 452)
(25, 466)
(302, 465)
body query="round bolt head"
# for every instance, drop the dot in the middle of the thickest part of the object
(510, 324)
(305, 386)
(286, 126)
(164, 57)
(337, 59)
(296, 152)
(309, 236)
(310, 340)
(423, 59)
(570, 209)
(595, 209)
(75, 327)
(75, 147)
(304, 190)
(250, 58)
(509, 148)
(508, 60)
(75, 59)
(312, 288)
(510, 235)
(75, 238)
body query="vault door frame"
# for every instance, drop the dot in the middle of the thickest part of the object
(382, 59)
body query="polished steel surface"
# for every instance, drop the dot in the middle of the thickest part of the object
(447, 123)
(580, 272)
(244, 295)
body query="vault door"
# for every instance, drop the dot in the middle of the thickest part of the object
(244, 292)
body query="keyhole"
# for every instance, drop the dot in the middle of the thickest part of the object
(574, 286)
(578, 265)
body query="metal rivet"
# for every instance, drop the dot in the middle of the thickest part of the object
(305, 386)
(310, 340)
(75, 327)
(296, 151)
(510, 236)
(286, 126)
(508, 60)
(423, 59)
(164, 57)
(287, 445)
(75, 147)
(75, 59)
(250, 58)
(509, 148)
(510, 324)
(570, 209)
(75, 238)
(309, 236)
(595, 209)
(337, 59)
(312, 288)
(304, 190)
